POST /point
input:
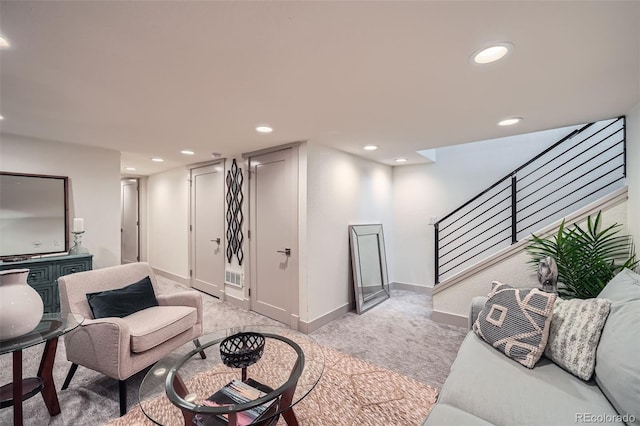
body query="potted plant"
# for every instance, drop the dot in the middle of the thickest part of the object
(587, 259)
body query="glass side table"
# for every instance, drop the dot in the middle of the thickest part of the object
(176, 389)
(51, 327)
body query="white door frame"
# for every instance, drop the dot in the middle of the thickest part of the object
(137, 211)
(221, 162)
(293, 302)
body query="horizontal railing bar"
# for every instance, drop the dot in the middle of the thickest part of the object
(470, 231)
(474, 218)
(476, 255)
(616, 157)
(570, 148)
(573, 158)
(574, 191)
(570, 170)
(442, 228)
(577, 201)
(552, 147)
(569, 136)
(475, 198)
(480, 233)
(473, 247)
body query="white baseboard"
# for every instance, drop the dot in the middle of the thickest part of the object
(421, 289)
(182, 280)
(237, 301)
(309, 327)
(450, 319)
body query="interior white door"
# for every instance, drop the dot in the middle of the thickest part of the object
(274, 260)
(129, 245)
(207, 229)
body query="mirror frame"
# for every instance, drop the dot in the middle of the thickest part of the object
(355, 232)
(65, 180)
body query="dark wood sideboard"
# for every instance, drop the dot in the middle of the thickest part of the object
(44, 273)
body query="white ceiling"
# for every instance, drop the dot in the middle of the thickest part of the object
(151, 78)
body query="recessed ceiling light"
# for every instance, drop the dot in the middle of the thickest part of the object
(492, 53)
(510, 121)
(157, 160)
(187, 152)
(264, 129)
(401, 160)
(4, 43)
(1, 117)
(131, 169)
(370, 147)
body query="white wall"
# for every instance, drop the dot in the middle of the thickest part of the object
(633, 174)
(341, 190)
(168, 221)
(435, 189)
(94, 186)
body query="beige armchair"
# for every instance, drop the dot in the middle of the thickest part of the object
(121, 347)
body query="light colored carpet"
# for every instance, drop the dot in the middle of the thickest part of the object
(397, 335)
(351, 392)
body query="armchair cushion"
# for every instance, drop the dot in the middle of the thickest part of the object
(154, 326)
(123, 301)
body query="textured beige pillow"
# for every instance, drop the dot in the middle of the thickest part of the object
(516, 322)
(575, 332)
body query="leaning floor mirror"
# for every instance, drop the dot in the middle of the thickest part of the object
(369, 261)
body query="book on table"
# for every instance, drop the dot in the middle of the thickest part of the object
(236, 392)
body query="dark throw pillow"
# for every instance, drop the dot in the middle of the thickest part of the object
(123, 301)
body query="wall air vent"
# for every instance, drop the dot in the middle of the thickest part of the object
(235, 279)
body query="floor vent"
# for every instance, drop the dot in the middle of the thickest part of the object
(233, 278)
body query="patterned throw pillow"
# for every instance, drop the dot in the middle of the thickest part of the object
(516, 322)
(575, 332)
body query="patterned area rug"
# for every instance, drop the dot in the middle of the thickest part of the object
(350, 392)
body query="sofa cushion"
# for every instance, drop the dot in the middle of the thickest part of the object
(444, 414)
(498, 390)
(123, 301)
(575, 332)
(617, 366)
(156, 325)
(516, 322)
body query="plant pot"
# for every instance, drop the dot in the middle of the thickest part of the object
(21, 307)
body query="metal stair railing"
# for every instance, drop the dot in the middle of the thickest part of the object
(585, 165)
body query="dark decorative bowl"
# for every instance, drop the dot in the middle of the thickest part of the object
(242, 350)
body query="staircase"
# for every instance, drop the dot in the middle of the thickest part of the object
(582, 167)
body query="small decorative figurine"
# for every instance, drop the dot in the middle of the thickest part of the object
(548, 275)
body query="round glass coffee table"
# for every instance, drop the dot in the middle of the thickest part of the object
(185, 388)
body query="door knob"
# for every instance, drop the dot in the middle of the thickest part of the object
(286, 252)
(217, 240)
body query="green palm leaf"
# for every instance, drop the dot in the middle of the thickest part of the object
(587, 259)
